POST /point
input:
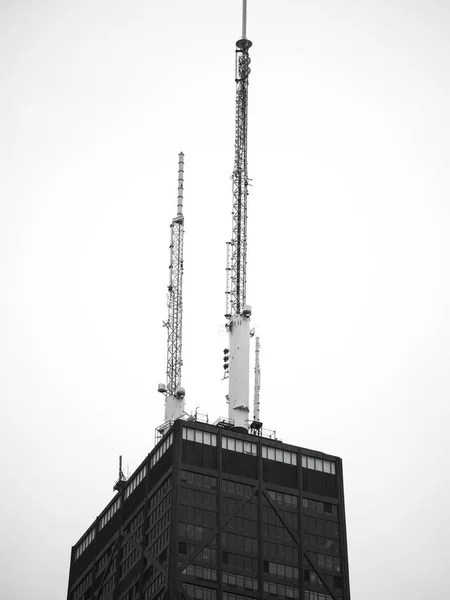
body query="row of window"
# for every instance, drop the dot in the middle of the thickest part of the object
(281, 571)
(289, 458)
(239, 542)
(198, 592)
(192, 532)
(198, 480)
(161, 450)
(321, 508)
(82, 587)
(160, 543)
(135, 481)
(239, 446)
(107, 588)
(330, 563)
(312, 578)
(160, 526)
(281, 552)
(155, 584)
(201, 437)
(193, 514)
(280, 590)
(103, 560)
(129, 562)
(316, 596)
(110, 513)
(129, 545)
(84, 543)
(230, 596)
(286, 499)
(240, 525)
(208, 555)
(201, 572)
(275, 532)
(197, 497)
(240, 581)
(270, 516)
(135, 521)
(320, 526)
(159, 510)
(163, 488)
(235, 488)
(242, 563)
(322, 543)
(248, 511)
(318, 464)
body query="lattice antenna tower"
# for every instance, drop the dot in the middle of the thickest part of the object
(237, 311)
(172, 390)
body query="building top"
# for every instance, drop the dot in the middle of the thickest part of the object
(212, 435)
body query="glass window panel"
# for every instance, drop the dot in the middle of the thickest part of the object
(319, 464)
(287, 458)
(191, 435)
(264, 451)
(231, 444)
(304, 461)
(224, 443)
(279, 455)
(294, 459)
(333, 468)
(199, 437)
(213, 440)
(326, 466)
(310, 462)
(239, 446)
(271, 453)
(184, 433)
(247, 448)
(207, 438)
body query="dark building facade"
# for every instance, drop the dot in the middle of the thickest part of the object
(214, 514)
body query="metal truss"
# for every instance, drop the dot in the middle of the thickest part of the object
(146, 558)
(237, 250)
(224, 522)
(175, 306)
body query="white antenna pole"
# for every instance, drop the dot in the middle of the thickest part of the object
(256, 404)
(238, 311)
(244, 19)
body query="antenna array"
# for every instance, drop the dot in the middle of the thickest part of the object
(174, 393)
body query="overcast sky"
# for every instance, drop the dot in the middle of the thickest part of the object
(348, 272)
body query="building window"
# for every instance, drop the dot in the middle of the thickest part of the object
(135, 481)
(160, 450)
(318, 464)
(284, 456)
(201, 437)
(239, 446)
(84, 543)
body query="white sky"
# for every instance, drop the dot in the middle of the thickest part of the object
(349, 257)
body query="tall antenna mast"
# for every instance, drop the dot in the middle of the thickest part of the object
(174, 393)
(238, 312)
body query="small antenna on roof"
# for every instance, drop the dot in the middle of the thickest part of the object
(121, 482)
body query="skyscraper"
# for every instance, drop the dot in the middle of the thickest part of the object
(223, 511)
(216, 514)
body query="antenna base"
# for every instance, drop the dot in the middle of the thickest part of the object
(244, 44)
